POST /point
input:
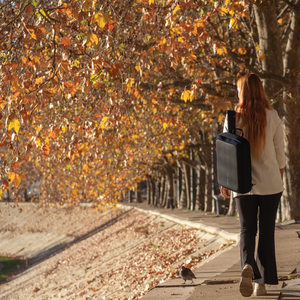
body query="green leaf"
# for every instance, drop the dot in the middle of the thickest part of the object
(33, 2)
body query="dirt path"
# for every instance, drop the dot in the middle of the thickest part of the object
(77, 253)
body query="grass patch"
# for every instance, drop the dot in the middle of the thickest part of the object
(8, 265)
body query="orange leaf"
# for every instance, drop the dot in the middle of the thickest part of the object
(5, 183)
(15, 165)
(46, 149)
(242, 51)
(66, 41)
(54, 134)
(261, 56)
(32, 33)
(11, 176)
(85, 168)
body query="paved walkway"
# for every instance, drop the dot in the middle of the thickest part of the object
(218, 278)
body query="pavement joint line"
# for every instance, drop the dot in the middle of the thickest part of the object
(210, 229)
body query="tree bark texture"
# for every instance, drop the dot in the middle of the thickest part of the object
(139, 193)
(291, 197)
(188, 185)
(183, 197)
(286, 65)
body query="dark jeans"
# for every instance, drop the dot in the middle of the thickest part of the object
(265, 208)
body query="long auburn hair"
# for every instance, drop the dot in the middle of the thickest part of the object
(251, 109)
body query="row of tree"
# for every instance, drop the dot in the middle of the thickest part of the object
(99, 95)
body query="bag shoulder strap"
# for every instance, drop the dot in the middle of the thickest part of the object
(231, 121)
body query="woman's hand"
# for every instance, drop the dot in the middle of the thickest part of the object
(225, 192)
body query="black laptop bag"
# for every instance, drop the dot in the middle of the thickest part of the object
(233, 159)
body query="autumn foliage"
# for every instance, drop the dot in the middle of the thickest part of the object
(98, 95)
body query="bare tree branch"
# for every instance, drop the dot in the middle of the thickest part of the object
(295, 6)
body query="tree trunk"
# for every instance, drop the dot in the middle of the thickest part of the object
(202, 187)
(162, 190)
(170, 187)
(139, 193)
(193, 184)
(206, 156)
(130, 196)
(291, 197)
(208, 188)
(270, 44)
(157, 189)
(188, 185)
(152, 191)
(149, 192)
(179, 184)
(200, 183)
(183, 198)
(197, 200)
(165, 196)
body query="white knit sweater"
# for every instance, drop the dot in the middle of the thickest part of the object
(265, 170)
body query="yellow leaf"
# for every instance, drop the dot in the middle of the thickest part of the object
(261, 57)
(39, 80)
(130, 82)
(191, 57)
(38, 142)
(15, 124)
(101, 19)
(154, 110)
(176, 9)
(242, 51)
(165, 125)
(138, 68)
(220, 51)
(257, 48)
(85, 168)
(186, 95)
(103, 124)
(91, 39)
(135, 137)
(17, 180)
(176, 30)
(151, 2)
(233, 23)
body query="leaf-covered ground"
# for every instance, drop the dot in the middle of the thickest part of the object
(121, 256)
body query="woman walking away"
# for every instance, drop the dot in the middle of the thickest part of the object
(264, 130)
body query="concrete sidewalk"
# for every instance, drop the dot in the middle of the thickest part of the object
(219, 277)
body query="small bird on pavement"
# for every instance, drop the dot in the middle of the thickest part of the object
(186, 274)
